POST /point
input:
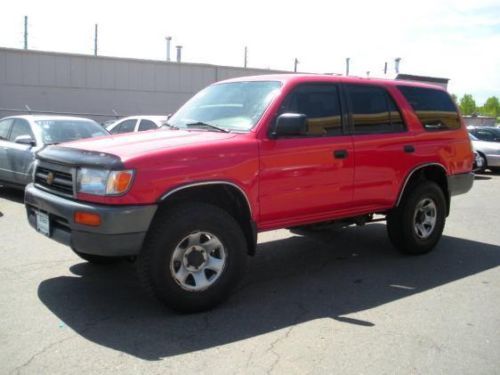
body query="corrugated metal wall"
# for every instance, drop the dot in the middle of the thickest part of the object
(97, 86)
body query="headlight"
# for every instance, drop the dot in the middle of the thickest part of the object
(102, 182)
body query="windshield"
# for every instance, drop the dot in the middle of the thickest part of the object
(471, 136)
(232, 106)
(58, 131)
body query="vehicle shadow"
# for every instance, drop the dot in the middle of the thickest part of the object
(14, 195)
(289, 281)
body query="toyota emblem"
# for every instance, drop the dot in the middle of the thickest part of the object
(50, 178)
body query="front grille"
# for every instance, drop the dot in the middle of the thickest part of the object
(54, 180)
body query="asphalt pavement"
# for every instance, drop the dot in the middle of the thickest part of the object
(337, 302)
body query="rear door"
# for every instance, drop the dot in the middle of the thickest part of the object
(20, 156)
(307, 178)
(5, 126)
(383, 148)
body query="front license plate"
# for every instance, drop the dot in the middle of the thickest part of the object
(42, 223)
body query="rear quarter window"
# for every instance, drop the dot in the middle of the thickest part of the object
(434, 108)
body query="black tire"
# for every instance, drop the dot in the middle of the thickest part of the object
(97, 259)
(167, 234)
(401, 220)
(485, 162)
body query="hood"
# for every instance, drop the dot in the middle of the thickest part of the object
(129, 145)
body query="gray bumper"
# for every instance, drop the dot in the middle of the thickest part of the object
(460, 183)
(121, 233)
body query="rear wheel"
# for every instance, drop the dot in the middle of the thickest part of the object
(416, 225)
(193, 257)
(97, 259)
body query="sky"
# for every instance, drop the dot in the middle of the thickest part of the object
(455, 39)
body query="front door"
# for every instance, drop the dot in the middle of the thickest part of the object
(307, 178)
(5, 126)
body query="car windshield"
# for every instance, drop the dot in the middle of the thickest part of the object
(472, 137)
(231, 106)
(58, 131)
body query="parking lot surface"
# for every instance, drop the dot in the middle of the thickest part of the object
(342, 301)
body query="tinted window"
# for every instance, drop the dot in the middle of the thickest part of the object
(20, 127)
(487, 134)
(373, 110)
(434, 108)
(126, 126)
(320, 103)
(5, 127)
(147, 125)
(58, 131)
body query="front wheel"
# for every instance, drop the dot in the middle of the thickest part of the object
(416, 225)
(193, 256)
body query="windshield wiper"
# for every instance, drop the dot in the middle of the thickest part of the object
(167, 125)
(202, 124)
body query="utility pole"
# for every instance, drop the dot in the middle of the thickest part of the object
(169, 40)
(95, 39)
(25, 32)
(347, 62)
(385, 68)
(295, 63)
(246, 57)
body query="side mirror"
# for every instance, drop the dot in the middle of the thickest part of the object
(290, 125)
(25, 140)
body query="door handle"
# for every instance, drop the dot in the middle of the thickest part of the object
(340, 154)
(408, 149)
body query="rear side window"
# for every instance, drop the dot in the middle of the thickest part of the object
(147, 125)
(373, 111)
(434, 108)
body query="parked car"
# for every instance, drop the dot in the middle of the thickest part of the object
(136, 124)
(489, 152)
(22, 136)
(255, 154)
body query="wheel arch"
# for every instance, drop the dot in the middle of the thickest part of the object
(432, 172)
(223, 194)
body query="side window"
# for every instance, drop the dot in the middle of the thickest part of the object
(484, 135)
(147, 125)
(434, 108)
(321, 104)
(373, 110)
(20, 127)
(126, 126)
(5, 128)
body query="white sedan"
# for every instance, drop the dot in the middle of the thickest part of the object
(136, 124)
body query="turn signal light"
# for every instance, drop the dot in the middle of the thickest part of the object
(87, 218)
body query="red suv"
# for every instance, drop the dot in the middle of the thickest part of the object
(248, 155)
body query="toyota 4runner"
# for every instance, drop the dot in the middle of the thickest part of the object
(248, 155)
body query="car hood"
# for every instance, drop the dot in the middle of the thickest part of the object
(127, 146)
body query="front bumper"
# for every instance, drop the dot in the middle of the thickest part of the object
(121, 233)
(460, 183)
